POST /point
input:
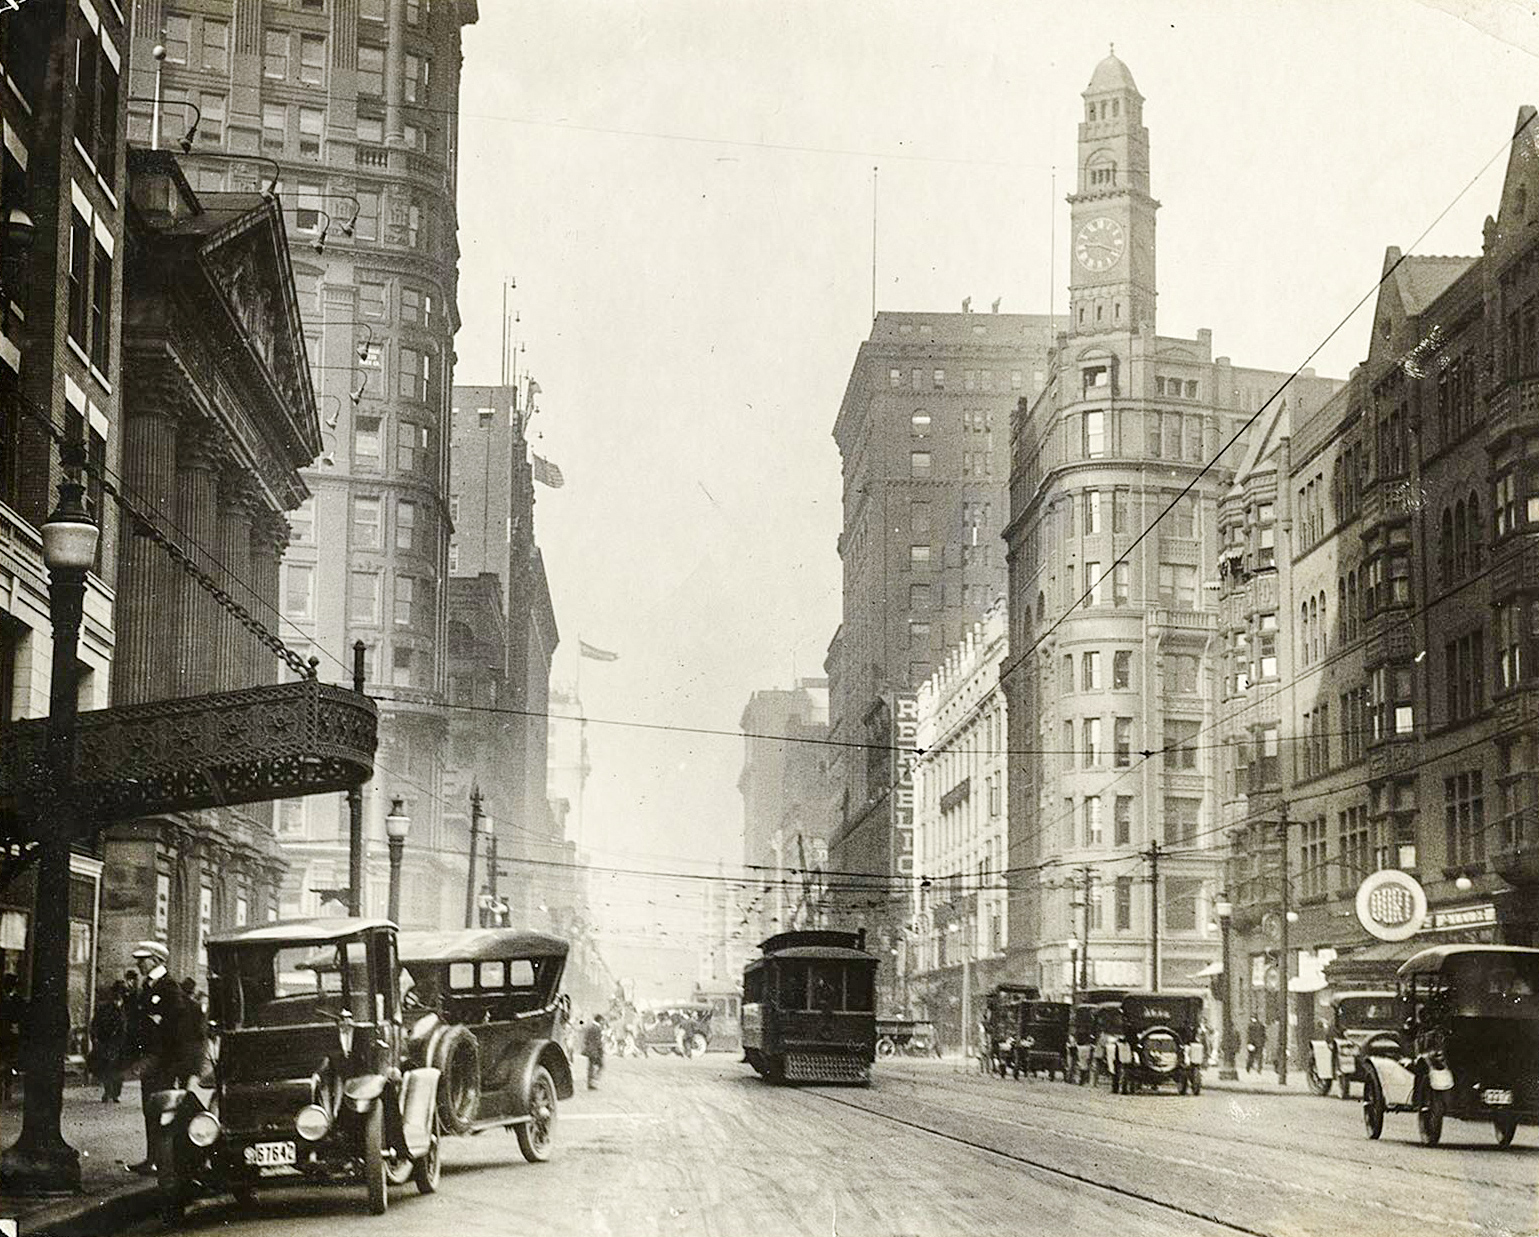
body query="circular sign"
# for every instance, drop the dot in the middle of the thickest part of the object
(1391, 905)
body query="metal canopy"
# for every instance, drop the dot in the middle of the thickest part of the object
(279, 741)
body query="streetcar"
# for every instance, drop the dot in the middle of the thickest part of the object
(809, 1008)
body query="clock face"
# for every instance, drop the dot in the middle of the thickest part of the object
(1099, 244)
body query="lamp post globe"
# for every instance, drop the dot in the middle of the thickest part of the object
(40, 1161)
(397, 827)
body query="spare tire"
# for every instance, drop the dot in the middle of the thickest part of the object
(458, 1056)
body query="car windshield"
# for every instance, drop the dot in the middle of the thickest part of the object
(1366, 1011)
(293, 984)
(1495, 984)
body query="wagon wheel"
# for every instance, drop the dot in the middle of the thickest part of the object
(1506, 1126)
(536, 1134)
(1373, 1106)
(1429, 1118)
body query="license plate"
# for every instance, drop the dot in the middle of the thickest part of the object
(1496, 1097)
(270, 1155)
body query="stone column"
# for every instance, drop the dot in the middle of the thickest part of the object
(231, 663)
(142, 663)
(197, 516)
(269, 535)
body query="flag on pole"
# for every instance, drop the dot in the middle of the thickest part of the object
(547, 473)
(596, 654)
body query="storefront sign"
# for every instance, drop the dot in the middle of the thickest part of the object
(1452, 918)
(905, 763)
(1391, 905)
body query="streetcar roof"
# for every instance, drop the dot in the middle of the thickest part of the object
(829, 953)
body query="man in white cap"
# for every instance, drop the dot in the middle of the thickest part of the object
(156, 1034)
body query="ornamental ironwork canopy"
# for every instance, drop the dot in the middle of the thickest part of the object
(259, 743)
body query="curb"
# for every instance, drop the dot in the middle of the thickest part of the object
(89, 1216)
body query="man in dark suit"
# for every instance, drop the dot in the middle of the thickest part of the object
(158, 1034)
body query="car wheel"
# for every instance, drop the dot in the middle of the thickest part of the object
(374, 1159)
(428, 1168)
(1506, 1128)
(459, 1085)
(1344, 1085)
(885, 1047)
(1429, 1118)
(168, 1176)
(1373, 1107)
(535, 1134)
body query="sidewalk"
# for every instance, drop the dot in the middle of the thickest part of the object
(1264, 1083)
(106, 1135)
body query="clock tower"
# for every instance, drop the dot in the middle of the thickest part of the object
(1111, 286)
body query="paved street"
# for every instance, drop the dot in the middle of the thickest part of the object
(670, 1146)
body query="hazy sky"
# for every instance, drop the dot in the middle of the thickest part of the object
(683, 191)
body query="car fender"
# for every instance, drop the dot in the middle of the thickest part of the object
(165, 1107)
(1397, 1083)
(553, 1057)
(360, 1092)
(419, 1094)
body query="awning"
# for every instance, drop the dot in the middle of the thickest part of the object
(1209, 971)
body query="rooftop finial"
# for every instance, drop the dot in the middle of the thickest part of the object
(1113, 48)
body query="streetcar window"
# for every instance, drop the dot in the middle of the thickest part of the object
(859, 989)
(793, 986)
(827, 986)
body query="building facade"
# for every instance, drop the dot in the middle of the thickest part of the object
(961, 836)
(348, 110)
(1117, 470)
(63, 188)
(1391, 712)
(922, 438)
(787, 819)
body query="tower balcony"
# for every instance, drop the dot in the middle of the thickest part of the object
(1515, 407)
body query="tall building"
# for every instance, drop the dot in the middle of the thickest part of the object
(491, 499)
(1381, 555)
(1117, 470)
(787, 819)
(960, 831)
(63, 186)
(922, 435)
(348, 110)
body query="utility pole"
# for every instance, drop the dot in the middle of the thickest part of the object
(1084, 936)
(1282, 957)
(470, 875)
(491, 872)
(1154, 914)
(355, 813)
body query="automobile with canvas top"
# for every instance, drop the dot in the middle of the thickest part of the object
(312, 1082)
(484, 1010)
(1361, 1023)
(1468, 1046)
(1041, 1037)
(1001, 1021)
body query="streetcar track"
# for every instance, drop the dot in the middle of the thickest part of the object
(1051, 1169)
(1249, 1177)
(1331, 1156)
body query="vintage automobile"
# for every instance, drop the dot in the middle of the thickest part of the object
(484, 1011)
(1094, 1024)
(683, 1028)
(311, 1077)
(1001, 1019)
(1359, 1020)
(1041, 1038)
(1469, 1044)
(906, 1036)
(1159, 1043)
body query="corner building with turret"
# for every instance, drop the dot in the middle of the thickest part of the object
(1117, 470)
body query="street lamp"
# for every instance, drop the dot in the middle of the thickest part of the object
(397, 826)
(1224, 909)
(40, 1161)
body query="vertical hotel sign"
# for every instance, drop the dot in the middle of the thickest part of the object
(905, 763)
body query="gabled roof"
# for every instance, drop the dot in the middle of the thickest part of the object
(1272, 427)
(1422, 279)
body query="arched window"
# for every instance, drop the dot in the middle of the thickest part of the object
(1461, 563)
(1314, 630)
(1473, 530)
(1341, 610)
(1445, 549)
(1352, 602)
(1321, 631)
(1304, 632)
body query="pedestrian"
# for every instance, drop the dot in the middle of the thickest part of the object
(159, 1021)
(1255, 1045)
(109, 1042)
(192, 1060)
(593, 1049)
(12, 1009)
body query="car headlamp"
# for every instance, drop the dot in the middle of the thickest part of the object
(311, 1123)
(203, 1129)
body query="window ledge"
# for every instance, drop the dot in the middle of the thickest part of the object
(101, 379)
(80, 353)
(85, 158)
